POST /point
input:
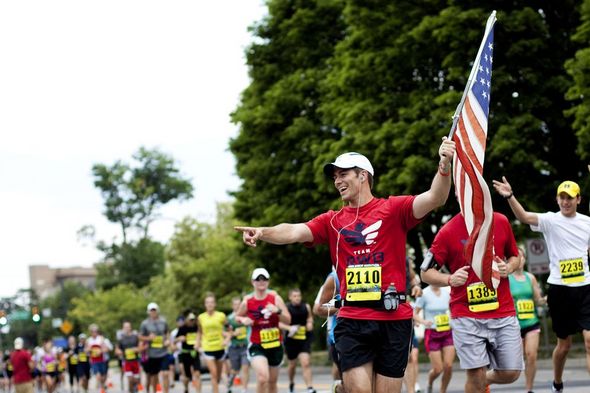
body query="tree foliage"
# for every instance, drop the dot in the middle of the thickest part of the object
(110, 308)
(280, 127)
(132, 263)
(134, 193)
(206, 258)
(579, 92)
(59, 305)
(384, 78)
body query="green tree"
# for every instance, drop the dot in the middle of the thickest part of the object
(134, 193)
(393, 89)
(387, 86)
(579, 92)
(134, 263)
(279, 127)
(207, 258)
(110, 308)
(60, 305)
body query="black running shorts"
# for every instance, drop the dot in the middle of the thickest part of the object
(569, 308)
(385, 343)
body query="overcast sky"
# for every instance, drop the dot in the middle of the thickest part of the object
(90, 82)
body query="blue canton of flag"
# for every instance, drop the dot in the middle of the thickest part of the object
(483, 85)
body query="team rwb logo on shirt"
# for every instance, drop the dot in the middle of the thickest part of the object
(360, 235)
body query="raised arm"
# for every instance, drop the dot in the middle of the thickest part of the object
(505, 190)
(441, 185)
(278, 234)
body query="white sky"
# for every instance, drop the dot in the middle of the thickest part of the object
(90, 82)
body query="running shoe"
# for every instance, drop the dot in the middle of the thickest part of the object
(557, 387)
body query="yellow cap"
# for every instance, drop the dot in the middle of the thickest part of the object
(570, 188)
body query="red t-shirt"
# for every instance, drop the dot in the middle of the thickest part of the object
(375, 240)
(265, 329)
(95, 344)
(20, 365)
(447, 249)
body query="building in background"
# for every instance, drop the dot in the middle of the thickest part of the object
(45, 281)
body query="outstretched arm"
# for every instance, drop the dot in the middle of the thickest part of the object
(505, 190)
(441, 185)
(279, 234)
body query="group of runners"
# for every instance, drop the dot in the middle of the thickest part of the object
(367, 300)
(252, 334)
(374, 328)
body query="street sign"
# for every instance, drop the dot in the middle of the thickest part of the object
(66, 327)
(19, 315)
(56, 323)
(537, 256)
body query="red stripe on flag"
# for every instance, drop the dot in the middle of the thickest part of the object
(480, 134)
(470, 166)
(468, 148)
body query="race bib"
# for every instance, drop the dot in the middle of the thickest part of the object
(73, 359)
(95, 352)
(50, 367)
(363, 282)
(191, 338)
(158, 342)
(82, 357)
(269, 338)
(481, 298)
(572, 270)
(300, 334)
(442, 322)
(241, 333)
(525, 309)
(130, 354)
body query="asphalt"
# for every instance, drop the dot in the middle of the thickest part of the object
(576, 380)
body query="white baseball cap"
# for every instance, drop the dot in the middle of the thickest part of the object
(153, 306)
(347, 161)
(18, 343)
(260, 271)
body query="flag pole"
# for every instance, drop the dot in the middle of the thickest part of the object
(489, 24)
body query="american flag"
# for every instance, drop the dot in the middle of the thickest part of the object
(470, 138)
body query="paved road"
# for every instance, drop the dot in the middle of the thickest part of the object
(577, 380)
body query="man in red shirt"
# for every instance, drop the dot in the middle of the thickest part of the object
(22, 365)
(367, 240)
(485, 328)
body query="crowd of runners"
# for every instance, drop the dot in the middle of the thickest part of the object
(225, 346)
(373, 341)
(372, 300)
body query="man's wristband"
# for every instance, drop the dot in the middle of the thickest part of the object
(444, 170)
(509, 196)
(279, 311)
(449, 281)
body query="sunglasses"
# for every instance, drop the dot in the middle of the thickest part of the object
(260, 278)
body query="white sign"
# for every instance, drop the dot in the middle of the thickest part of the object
(56, 323)
(537, 256)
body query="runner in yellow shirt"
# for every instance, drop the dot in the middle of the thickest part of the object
(213, 339)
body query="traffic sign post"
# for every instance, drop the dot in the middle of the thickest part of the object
(537, 256)
(538, 263)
